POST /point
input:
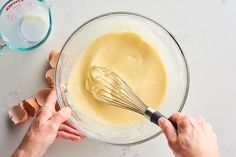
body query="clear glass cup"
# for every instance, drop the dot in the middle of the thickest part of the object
(24, 24)
(170, 53)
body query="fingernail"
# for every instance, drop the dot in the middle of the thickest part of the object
(76, 139)
(161, 122)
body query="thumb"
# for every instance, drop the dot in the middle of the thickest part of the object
(61, 116)
(168, 129)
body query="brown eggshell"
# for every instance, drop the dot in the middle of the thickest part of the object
(57, 107)
(53, 57)
(18, 115)
(31, 106)
(53, 53)
(50, 77)
(42, 95)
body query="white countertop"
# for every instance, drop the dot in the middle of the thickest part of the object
(205, 29)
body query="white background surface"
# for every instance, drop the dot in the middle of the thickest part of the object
(205, 29)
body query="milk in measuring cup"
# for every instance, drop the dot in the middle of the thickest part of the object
(33, 28)
(25, 24)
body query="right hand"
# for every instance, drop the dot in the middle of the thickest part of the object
(193, 138)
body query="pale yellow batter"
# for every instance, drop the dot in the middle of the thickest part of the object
(128, 55)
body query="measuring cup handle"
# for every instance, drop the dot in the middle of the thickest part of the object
(1, 49)
(2, 45)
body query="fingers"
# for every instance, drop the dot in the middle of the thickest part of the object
(65, 135)
(201, 121)
(48, 109)
(176, 117)
(69, 124)
(60, 117)
(51, 100)
(182, 121)
(70, 130)
(209, 126)
(168, 129)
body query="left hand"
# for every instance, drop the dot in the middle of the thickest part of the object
(45, 128)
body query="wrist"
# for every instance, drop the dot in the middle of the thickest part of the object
(30, 147)
(21, 153)
(25, 151)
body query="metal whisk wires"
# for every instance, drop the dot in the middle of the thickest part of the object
(109, 87)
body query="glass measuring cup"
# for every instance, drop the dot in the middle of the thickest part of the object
(24, 24)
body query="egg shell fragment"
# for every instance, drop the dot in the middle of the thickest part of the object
(42, 95)
(31, 106)
(50, 77)
(18, 115)
(57, 107)
(53, 57)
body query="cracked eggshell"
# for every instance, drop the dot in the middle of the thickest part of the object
(42, 95)
(53, 57)
(57, 107)
(50, 77)
(31, 106)
(18, 115)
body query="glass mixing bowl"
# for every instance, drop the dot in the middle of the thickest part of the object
(170, 53)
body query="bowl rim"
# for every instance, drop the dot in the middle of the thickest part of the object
(125, 13)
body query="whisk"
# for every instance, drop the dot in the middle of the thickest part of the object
(107, 86)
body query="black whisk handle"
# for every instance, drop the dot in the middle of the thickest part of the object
(155, 116)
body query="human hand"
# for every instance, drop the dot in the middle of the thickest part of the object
(193, 138)
(45, 128)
